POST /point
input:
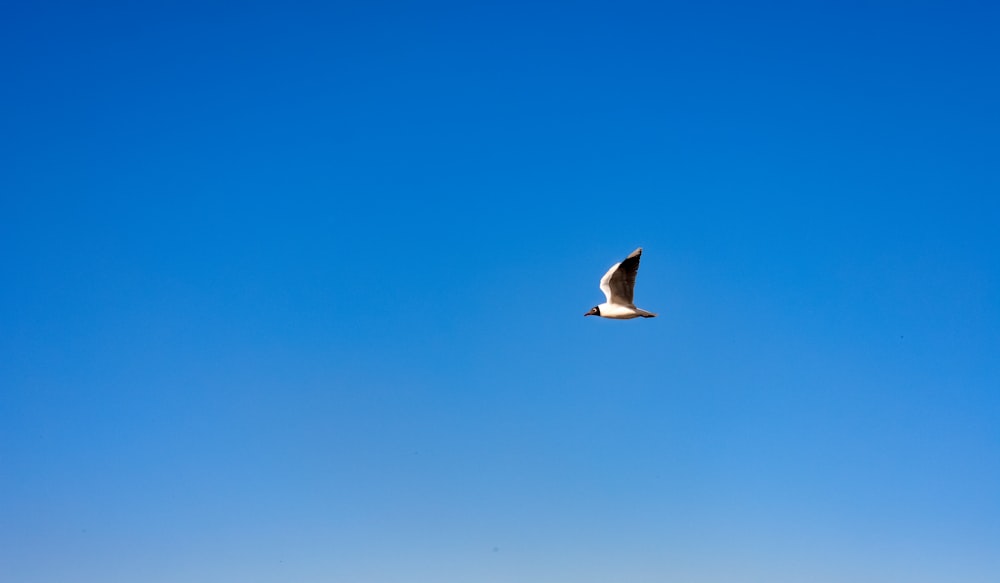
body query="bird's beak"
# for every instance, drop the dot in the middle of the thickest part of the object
(590, 313)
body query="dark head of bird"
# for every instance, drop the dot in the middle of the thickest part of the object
(595, 311)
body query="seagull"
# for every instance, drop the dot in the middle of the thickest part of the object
(618, 284)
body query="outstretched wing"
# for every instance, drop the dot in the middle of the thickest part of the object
(606, 282)
(618, 284)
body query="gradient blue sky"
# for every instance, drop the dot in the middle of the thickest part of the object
(294, 292)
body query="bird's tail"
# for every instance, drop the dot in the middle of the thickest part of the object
(645, 314)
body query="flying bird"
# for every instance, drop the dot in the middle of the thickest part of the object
(618, 285)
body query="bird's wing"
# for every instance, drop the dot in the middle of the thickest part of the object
(606, 282)
(621, 281)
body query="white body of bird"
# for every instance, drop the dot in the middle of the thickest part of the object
(617, 312)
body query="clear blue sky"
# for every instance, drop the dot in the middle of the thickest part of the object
(295, 292)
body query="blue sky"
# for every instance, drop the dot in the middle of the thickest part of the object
(295, 292)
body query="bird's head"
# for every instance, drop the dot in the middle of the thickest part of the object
(595, 311)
